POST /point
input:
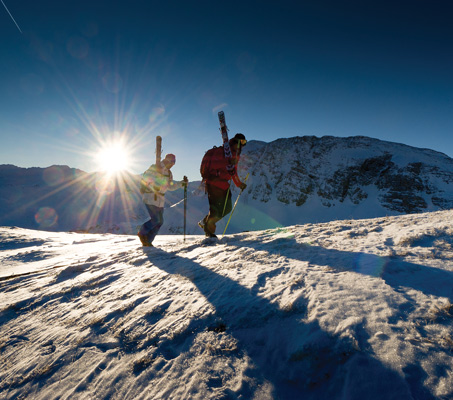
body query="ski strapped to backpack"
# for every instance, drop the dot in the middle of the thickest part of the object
(158, 155)
(143, 184)
(226, 143)
(205, 167)
(158, 149)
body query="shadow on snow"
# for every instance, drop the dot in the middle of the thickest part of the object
(296, 357)
(393, 270)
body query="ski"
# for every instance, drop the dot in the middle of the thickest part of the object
(158, 149)
(226, 143)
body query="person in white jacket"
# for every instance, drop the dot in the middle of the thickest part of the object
(156, 180)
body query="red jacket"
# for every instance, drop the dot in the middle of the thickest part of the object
(218, 174)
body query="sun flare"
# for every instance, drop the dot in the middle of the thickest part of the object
(113, 158)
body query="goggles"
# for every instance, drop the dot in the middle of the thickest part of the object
(242, 142)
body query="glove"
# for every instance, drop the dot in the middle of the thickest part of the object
(242, 186)
(185, 181)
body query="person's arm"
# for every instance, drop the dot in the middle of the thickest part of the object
(236, 180)
(175, 185)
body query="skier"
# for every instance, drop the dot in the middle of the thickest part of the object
(217, 171)
(156, 180)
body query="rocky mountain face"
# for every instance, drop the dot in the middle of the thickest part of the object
(292, 181)
(336, 171)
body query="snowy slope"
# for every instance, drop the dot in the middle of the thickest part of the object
(340, 310)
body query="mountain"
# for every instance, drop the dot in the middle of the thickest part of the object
(65, 199)
(292, 181)
(353, 309)
(342, 177)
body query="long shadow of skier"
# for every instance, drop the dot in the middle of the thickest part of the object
(299, 359)
(395, 271)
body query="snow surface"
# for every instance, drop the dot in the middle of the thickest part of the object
(353, 309)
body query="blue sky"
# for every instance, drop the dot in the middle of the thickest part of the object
(81, 75)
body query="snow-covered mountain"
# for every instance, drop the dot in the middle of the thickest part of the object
(330, 178)
(292, 181)
(345, 310)
(66, 199)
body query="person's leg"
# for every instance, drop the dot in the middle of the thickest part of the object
(219, 206)
(210, 225)
(145, 229)
(149, 229)
(159, 221)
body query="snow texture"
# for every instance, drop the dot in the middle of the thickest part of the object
(352, 309)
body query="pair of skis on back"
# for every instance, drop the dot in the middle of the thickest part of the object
(230, 166)
(228, 156)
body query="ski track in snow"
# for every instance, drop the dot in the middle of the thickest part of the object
(340, 310)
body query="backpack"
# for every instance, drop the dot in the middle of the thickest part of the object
(205, 166)
(143, 186)
(144, 182)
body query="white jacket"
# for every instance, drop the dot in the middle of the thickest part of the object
(158, 181)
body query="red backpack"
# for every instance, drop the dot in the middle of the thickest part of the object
(205, 166)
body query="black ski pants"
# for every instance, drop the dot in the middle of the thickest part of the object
(219, 205)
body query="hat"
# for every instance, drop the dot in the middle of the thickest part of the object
(239, 138)
(170, 158)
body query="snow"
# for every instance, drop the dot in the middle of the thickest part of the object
(352, 309)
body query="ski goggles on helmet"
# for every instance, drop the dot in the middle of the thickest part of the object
(242, 142)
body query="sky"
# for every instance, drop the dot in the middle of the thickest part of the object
(79, 77)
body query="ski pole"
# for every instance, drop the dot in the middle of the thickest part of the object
(226, 201)
(235, 204)
(186, 181)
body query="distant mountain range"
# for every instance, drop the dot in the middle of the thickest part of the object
(292, 181)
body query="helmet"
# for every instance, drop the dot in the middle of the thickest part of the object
(239, 138)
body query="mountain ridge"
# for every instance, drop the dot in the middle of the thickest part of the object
(336, 168)
(292, 181)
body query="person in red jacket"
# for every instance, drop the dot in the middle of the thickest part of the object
(217, 172)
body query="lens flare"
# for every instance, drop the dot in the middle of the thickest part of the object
(104, 185)
(370, 264)
(113, 158)
(46, 217)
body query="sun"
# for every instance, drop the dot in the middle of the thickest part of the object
(113, 158)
